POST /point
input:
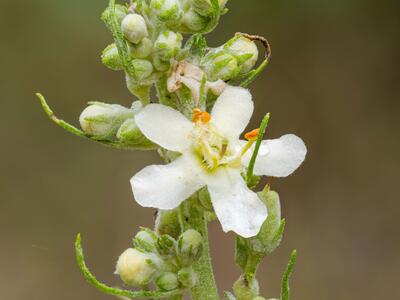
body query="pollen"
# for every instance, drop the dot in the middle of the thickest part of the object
(252, 135)
(201, 116)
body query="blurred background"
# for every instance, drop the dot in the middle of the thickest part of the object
(333, 80)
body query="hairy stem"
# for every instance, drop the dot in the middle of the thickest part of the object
(206, 288)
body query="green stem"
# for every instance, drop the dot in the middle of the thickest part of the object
(206, 289)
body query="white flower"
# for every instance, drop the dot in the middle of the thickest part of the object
(212, 156)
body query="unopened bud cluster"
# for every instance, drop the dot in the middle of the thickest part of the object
(114, 122)
(236, 57)
(161, 259)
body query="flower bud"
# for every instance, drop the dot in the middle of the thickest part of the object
(134, 28)
(137, 268)
(168, 44)
(168, 11)
(160, 64)
(167, 222)
(143, 69)
(121, 11)
(141, 90)
(202, 7)
(187, 277)
(102, 120)
(190, 245)
(194, 21)
(130, 134)
(245, 51)
(142, 49)
(166, 245)
(145, 240)
(111, 59)
(168, 281)
(246, 290)
(221, 65)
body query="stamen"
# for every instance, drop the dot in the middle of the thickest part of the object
(252, 135)
(201, 116)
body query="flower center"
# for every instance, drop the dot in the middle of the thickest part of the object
(212, 148)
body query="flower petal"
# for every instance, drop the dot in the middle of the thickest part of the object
(166, 186)
(232, 111)
(165, 126)
(278, 157)
(237, 207)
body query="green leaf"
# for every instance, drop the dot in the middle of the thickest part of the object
(115, 291)
(72, 129)
(260, 137)
(285, 292)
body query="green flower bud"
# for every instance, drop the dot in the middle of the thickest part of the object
(194, 21)
(167, 222)
(245, 51)
(130, 134)
(168, 11)
(102, 120)
(190, 246)
(168, 281)
(245, 290)
(220, 65)
(134, 28)
(143, 69)
(166, 245)
(168, 44)
(142, 49)
(111, 59)
(187, 277)
(202, 7)
(137, 268)
(145, 240)
(160, 64)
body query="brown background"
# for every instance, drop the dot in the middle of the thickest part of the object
(333, 80)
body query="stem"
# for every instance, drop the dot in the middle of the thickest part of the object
(206, 288)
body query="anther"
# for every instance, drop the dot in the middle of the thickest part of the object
(202, 116)
(252, 135)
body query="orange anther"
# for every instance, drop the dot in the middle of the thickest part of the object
(199, 115)
(252, 135)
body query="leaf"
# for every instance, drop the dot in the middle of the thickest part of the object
(285, 292)
(260, 137)
(115, 291)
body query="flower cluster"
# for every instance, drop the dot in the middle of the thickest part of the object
(197, 122)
